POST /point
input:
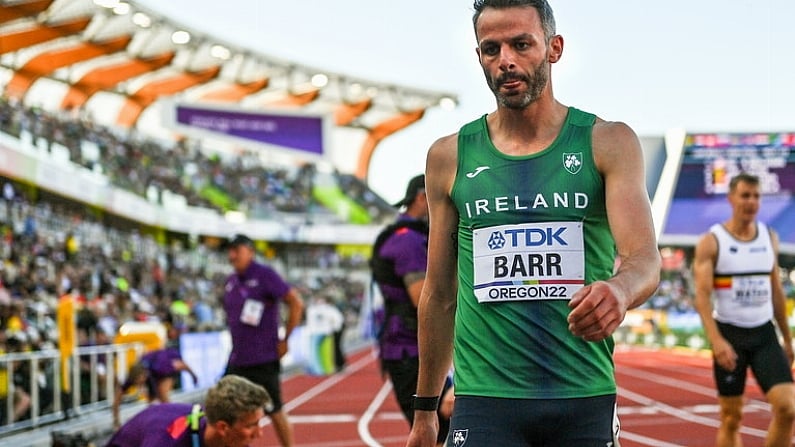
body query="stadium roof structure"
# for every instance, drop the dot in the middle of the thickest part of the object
(116, 61)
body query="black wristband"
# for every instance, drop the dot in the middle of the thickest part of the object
(425, 403)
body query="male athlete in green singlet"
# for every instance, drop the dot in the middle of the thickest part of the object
(529, 208)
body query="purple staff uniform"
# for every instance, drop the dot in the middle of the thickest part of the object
(251, 301)
(164, 425)
(252, 313)
(160, 365)
(407, 249)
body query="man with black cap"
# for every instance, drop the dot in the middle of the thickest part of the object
(251, 300)
(400, 258)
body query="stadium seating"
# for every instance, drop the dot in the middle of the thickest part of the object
(152, 170)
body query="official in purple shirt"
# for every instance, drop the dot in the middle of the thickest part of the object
(231, 417)
(407, 249)
(252, 298)
(156, 370)
(405, 253)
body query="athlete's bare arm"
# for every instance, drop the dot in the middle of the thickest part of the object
(780, 300)
(704, 275)
(598, 308)
(438, 299)
(180, 365)
(295, 308)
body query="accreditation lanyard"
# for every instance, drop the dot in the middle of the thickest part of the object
(196, 414)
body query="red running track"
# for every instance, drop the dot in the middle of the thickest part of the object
(666, 399)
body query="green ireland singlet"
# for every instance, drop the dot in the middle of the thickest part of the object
(532, 230)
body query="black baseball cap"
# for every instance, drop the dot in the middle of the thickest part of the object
(416, 185)
(240, 240)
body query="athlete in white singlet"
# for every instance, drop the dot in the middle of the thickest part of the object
(736, 267)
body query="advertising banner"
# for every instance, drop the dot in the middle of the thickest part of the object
(302, 133)
(709, 161)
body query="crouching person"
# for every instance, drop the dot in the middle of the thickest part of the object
(232, 416)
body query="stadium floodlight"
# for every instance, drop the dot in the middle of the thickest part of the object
(220, 52)
(122, 9)
(319, 80)
(110, 4)
(180, 37)
(142, 20)
(447, 103)
(355, 89)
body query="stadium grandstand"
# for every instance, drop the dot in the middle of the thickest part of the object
(132, 147)
(106, 69)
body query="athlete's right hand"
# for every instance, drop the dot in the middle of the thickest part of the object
(724, 354)
(423, 432)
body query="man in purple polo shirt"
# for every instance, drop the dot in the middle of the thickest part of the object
(251, 301)
(400, 258)
(231, 417)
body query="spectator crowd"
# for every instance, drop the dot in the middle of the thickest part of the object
(149, 168)
(52, 248)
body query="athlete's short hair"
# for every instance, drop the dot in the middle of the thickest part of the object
(543, 8)
(743, 177)
(232, 397)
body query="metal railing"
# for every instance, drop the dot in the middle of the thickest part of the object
(34, 391)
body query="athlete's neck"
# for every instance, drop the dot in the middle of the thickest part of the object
(743, 230)
(529, 130)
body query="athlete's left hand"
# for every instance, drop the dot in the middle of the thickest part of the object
(596, 311)
(424, 429)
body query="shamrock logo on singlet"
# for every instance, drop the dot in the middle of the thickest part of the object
(496, 240)
(572, 161)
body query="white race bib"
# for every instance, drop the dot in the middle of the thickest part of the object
(751, 291)
(530, 261)
(252, 312)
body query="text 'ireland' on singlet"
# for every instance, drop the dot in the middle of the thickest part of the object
(532, 231)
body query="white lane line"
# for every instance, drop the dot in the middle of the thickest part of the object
(322, 419)
(642, 410)
(680, 384)
(665, 380)
(328, 383)
(684, 385)
(646, 440)
(353, 442)
(344, 418)
(682, 414)
(364, 421)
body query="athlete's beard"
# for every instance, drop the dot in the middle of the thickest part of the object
(535, 85)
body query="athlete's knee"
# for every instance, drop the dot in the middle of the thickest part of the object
(783, 417)
(784, 411)
(782, 403)
(731, 417)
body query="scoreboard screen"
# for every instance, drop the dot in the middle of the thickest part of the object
(710, 160)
